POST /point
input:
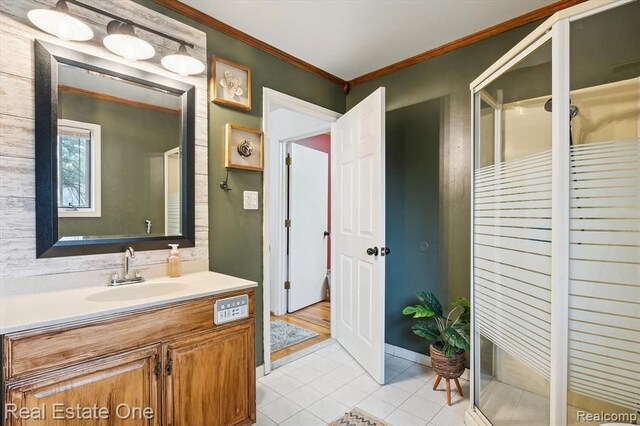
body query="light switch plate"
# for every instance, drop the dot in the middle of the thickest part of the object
(250, 200)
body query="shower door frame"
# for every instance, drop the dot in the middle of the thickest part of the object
(557, 29)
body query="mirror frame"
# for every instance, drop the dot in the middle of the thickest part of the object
(47, 58)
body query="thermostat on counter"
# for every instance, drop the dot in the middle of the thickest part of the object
(231, 309)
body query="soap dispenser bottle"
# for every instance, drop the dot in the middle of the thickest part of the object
(173, 262)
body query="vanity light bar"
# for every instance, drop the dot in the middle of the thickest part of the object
(127, 21)
(121, 38)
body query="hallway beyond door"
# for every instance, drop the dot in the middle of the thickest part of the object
(315, 318)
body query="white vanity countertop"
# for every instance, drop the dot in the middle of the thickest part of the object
(19, 312)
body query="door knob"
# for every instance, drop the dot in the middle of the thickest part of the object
(372, 251)
(384, 251)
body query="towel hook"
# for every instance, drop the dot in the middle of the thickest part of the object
(224, 184)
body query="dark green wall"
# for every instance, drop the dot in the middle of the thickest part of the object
(235, 236)
(412, 214)
(133, 142)
(446, 78)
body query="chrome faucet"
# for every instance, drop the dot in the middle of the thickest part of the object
(129, 254)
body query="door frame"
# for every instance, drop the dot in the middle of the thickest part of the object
(167, 154)
(274, 200)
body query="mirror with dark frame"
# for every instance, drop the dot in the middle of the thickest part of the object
(114, 156)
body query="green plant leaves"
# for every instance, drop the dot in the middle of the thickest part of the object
(457, 336)
(431, 301)
(452, 334)
(462, 302)
(449, 350)
(465, 316)
(428, 331)
(418, 311)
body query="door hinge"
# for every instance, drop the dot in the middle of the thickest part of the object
(287, 223)
(169, 364)
(287, 285)
(288, 160)
(158, 365)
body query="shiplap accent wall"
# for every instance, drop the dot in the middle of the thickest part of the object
(17, 140)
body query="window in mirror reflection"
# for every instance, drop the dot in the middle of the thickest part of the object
(78, 169)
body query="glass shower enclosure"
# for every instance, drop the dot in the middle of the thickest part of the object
(555, 277)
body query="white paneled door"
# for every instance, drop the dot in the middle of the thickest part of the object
(358, 232)
(308, 211)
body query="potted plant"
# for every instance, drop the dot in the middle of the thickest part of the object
(449, 336)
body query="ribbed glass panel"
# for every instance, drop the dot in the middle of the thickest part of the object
(604, 292)
(512, 264)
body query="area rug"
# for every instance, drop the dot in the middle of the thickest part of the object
(284, 335)
(357, 417)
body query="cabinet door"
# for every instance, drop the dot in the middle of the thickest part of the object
(211, 378)
(118, 390)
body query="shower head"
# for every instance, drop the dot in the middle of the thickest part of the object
(573, 110)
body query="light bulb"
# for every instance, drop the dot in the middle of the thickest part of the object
(122, 41)
(58, 22)
(182, 63)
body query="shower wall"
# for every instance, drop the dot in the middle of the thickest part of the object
(556, 225)
(605, 112)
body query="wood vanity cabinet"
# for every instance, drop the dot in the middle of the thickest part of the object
(172, 360)
(127, 378)
(210, 372)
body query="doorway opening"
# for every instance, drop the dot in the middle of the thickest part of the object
(297, 312)
(307, 250)
(357, 310)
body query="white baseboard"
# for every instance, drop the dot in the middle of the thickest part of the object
(259, 371)
(416, 357)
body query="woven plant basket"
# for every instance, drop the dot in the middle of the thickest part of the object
(449, 367)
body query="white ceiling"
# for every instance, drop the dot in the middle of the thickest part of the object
(349, 38)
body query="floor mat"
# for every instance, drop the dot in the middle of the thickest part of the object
(284, 335)
(357, 417)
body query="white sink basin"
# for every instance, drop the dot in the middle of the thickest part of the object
(136, 291)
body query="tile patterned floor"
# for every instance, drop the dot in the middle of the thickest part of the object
(316, 389)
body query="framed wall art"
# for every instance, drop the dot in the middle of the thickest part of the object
(230, 83)
(243, 148)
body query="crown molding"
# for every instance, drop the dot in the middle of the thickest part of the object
(227, 29)
(502, 27)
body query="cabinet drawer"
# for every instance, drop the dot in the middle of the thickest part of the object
(35, 351)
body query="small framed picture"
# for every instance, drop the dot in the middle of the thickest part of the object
(244, 148)
(230, 83)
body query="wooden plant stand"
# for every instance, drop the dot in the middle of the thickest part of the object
(448, 383)
(448, 368)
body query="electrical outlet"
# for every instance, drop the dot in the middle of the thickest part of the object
(250, 200)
